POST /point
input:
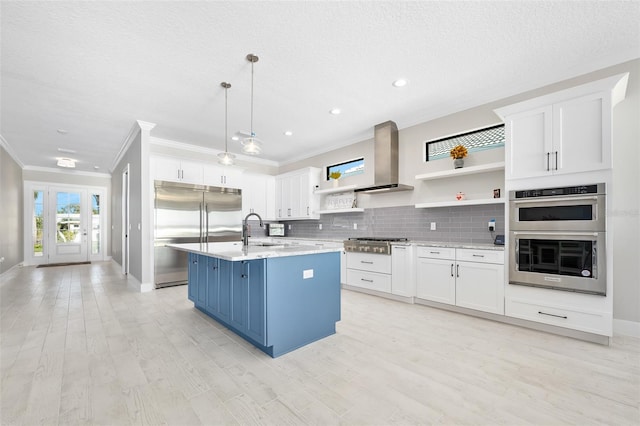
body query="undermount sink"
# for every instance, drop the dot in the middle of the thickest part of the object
(263, 244)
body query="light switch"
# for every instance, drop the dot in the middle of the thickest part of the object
(355, 226)
(320, 226)
(307, 273)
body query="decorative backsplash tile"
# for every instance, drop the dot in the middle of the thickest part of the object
(464, 224)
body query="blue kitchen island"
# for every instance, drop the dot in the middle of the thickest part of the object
(279, 298)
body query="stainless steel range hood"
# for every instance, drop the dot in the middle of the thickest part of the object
(385, 161)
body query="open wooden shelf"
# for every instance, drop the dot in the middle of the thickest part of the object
(456, 203)
(338, 189)
(353, 210)
(484, 168)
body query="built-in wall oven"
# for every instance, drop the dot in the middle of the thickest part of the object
(557, 238)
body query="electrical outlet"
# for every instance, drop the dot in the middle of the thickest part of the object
(355, 226)
(290, 227)
(433, 226)
(320, 226)
(492, 225)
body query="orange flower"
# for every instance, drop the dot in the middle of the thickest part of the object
(458, 151)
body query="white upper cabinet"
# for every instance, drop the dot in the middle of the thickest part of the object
(295, 198)
(564, 132)
(177, 170)
(258, 195)
(223, 176)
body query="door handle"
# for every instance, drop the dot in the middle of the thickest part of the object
(200, 206)
(452, 269)
(368, 281)
(548, 153)
(552, 315)
(457, 271)
(206, 223)
(556, 160)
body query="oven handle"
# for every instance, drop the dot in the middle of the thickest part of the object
(546, 199)
(563, 233)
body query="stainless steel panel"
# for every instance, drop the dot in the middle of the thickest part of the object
(191, 214)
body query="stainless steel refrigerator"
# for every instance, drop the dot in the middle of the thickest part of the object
(186, 213)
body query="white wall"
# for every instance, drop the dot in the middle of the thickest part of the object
(11, 212)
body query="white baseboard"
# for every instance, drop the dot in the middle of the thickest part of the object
(626, 328)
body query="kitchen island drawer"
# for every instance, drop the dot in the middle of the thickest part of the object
(369, 262)
(436, 252)
(482, 256)
(369, 280)
(562, 316)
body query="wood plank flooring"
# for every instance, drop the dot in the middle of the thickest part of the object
(78, 346)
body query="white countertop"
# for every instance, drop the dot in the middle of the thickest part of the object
(234, 251)
(472, 246)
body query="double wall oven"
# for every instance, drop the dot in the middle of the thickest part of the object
(557, 238)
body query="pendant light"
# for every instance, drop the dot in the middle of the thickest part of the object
(225, 157)
(252, 145)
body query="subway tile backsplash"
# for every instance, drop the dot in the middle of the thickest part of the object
(464, 224)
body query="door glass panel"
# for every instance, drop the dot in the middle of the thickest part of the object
(38, 223)
(95, 223)
(68, 218)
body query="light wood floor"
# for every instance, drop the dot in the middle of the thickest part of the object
(79, 347)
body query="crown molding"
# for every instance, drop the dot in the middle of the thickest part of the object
(137, 127)
(210, 151)
(10, 151)
(67, 172)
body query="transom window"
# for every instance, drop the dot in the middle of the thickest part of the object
(476, 140)
(348, 168)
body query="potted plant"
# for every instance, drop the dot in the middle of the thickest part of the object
(335, 176)
(458, 152)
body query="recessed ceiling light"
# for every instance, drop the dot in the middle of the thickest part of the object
(235, 138)
(288, 133)
(96, 167)
(66, 163)
(67, 150)
(401, 82)
(335, 111)
(62, 131)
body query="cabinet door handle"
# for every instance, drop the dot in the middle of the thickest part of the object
(552, 315)
(279, 212)
(307, 210)
(364, 261)
(368, 281)
(452, 269)
(243, 276)
(478, 255)
(457, 271)
(434, 252)
(556, 153)
(548, 153)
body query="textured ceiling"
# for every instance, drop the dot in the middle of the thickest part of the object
(93, 68)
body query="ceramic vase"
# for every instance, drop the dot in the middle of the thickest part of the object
(458, 163)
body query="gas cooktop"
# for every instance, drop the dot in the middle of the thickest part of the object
(379, 245)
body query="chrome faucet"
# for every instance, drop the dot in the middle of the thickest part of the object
(245, 228)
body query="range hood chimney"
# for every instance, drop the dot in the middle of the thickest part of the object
(385, 161)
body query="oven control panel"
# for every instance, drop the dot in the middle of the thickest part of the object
(563, 191)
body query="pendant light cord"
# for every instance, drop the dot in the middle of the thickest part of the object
(226, 103)
(252, 135)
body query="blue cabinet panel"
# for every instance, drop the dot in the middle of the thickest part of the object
(302, 310)
(224, 290)
(192, 270)
(201, 294)
(239, 295)
(213, 282)
(256, 301)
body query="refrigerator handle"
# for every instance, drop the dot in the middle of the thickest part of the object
(200, 222)
(206, 223)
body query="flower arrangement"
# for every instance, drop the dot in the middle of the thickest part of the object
(458, 151)
(335, 175)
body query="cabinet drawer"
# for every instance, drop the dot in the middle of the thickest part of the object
(436, 252)
(369, 262)
(482, 256)
(589, 321)
(369, 280)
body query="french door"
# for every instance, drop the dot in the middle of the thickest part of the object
(67, 223)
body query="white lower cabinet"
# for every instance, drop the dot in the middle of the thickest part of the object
(403, 281)
(584, 312)
(369, 271)
(468, 278)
